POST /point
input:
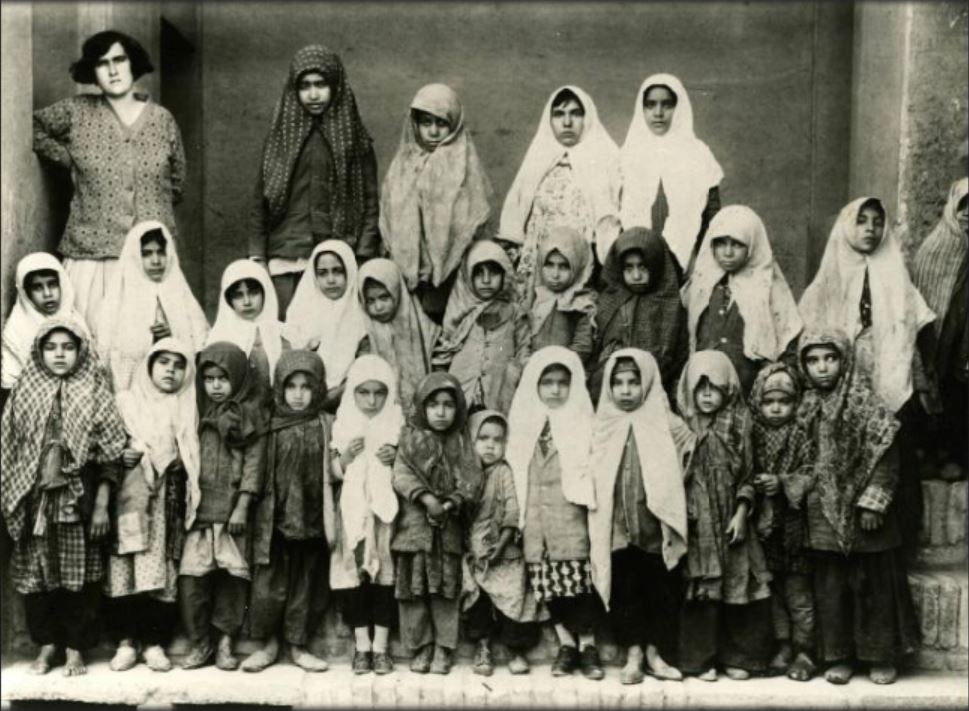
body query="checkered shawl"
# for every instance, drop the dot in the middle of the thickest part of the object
(92, 427)
(344, 133)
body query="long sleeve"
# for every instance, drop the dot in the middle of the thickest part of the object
(368, 243)
(523, 337)
(880, 492)
(254, 466)
(406, 481)
(511, 511)
(52, 133)
(582, 338)
(176, 161)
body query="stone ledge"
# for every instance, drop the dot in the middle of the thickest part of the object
(285, 685)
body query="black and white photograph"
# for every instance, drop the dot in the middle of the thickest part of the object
(467, 354)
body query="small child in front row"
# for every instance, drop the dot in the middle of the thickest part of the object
(436, 476)
(293, 518)
(61, 443)
(365, 435)
(725, 617)
(862, 597)
(550, 430)
(214, 575)
(782, 466)
(498, 604)
(638, 528)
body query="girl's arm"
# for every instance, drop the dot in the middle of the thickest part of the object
(582, 338)
(253, 468)
(880, 492)
(52, 133)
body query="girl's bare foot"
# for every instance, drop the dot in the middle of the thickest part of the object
(518, 664)
(224, 658)
(125, 657)
(44, 660)
(657, 666)
(156, 659)
(306, 661)
(737, 674)
(632, 673)
(781, 660)
(802, 669)
(709, 675)
(263, 657)
(839, 673)
(74, 666)
(883, 674)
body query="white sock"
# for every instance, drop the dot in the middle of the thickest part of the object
(586, 640)
(362, 639)
(565, 637)
(380, 635)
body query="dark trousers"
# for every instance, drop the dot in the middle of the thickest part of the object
(65, 618)
(864, 607)
(285, 286)
(484, 620)
(733, 635)
(645, 600)
(577, 614)
(140, 617)
(367, 605)
(792, 610)
(429, 619)
(292, 590)
(216, 599)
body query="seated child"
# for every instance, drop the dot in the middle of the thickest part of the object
(436, 476)
(293, 518)
(44, 291)
(365, 436)
(214, 574)
(864, 606)
(562, 308)
(398, 330)
(247, 318)
(326, 310)
(550, 430)
(782, 462)
(640, 307)
(147, 299)
(61, 440)
(486, 338)
(638, 528)
(738, 300)
(498, 603)
(726, 614)
(161, 480)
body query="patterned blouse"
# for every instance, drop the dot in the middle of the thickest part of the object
(122, 175)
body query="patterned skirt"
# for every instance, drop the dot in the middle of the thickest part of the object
(550, 579)
(63, 558)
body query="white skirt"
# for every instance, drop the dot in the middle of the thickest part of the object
(90, 278)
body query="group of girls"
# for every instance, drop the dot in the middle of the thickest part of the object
(416, 434)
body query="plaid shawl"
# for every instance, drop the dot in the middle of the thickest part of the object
(341, 127)
(92, 428)
(852, 428)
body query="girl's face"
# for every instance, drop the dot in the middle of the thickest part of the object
(44, 291)
(554, 385)
(370, 397)
(331, 275)
(708, 397)
(659, 105)
(568, 122)
(487, 280)
(154, 259)
(247, 298)
(635, 275)
(962, 214)
(314, 93)
(378, 302)
(168, 372)
(777, 407)
(298, 391)
(627, 390)
(440, 409)
(729, 253)
(490, 442)
(431, 129)
(113, 72)
(216, 383)
(59, 352)
(869, 229)
(556, 272)
(823, 366)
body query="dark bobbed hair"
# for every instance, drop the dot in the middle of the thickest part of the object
(96, 46)
(155, 235)
(251, 284)
(676, 99)
(157, 354)
(37, 273)
(564, 96)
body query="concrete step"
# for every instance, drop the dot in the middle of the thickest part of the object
(944, 523)
(285, 685)
(942, 606)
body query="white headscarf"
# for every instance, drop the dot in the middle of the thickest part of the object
(165, 425)
(659, 466)
(367, 484)
(25, 320)
(339, 324)
(679, 159)
(571, 426)
(898, 310)
(594, 161)
(131, 301)
(771, 318)
(230, 326)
